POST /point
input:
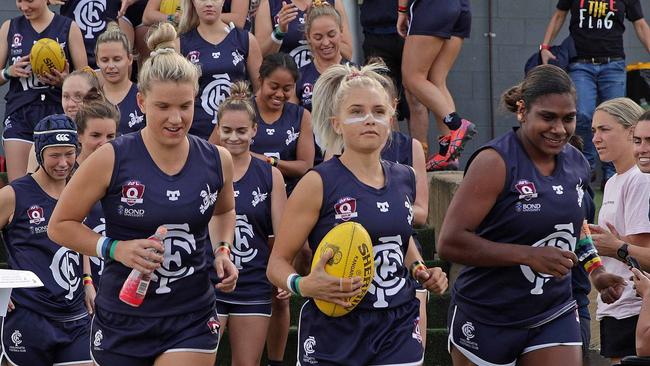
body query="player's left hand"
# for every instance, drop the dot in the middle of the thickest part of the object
(227, 273)
(402, 24)
(55, 77)
(89, 299)
(606, 241)
(282, 294)
(609, 285)
(433, 279)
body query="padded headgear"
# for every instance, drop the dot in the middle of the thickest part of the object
(54, 130)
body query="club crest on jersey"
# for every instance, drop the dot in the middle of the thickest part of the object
(35, 214)
(16, 339)
(563, 238)
(242, 251)
(17, 40)
(132, 192)
(193, 56)
(135, 118)
(387, 281)
(209, 199)
(258, 197)
(309, 346)
(345, 209)
(215, 93)
(526, 189)
(291, 136)
(64, 266)
(87, 16)
(237, 57)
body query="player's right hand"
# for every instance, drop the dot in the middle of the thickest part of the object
(286, 15)
(89, 299)
(323, 286)
(546, 55)
(21, 69)
(402, 24)
(144, 255)
(551, 260)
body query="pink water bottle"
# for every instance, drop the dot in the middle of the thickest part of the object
(135, 287)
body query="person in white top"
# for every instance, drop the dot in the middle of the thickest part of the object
(625, 211)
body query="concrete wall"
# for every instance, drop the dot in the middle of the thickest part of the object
(518, 26)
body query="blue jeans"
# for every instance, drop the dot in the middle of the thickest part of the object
(594, 85)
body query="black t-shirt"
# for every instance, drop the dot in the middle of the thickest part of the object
(597, 26)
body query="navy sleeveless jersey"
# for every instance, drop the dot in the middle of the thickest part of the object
(29, 248)
(221, 65)
(280, 138)
(399, 149)
(378, 16)
(91, 16)
(141, 197)
(250, 252)
(20, 39)
(305, 85)
(534, 210)
(387, 215)
(131, 117)
(294, 43)
(95, 221)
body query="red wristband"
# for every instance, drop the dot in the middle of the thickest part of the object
(402, 9)
(544, 47)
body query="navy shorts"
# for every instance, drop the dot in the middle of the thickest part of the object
(226, 309)
(493, 345)
(29, 338)
(20, 124)
(452, 18)
(116, 339)
(361, 337)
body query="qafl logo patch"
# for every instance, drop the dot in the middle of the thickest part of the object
(35, 214)
(526, 189)
(345, 209)
(132, 192)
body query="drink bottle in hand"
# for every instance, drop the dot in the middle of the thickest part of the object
(136, 285)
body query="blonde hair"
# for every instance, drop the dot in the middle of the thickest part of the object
(625, 110)
(95, 106)
(329, 92)
(317, 9)
(239, 100)
(113, 33)
(165, 63)
(189, 17)
(88, 74)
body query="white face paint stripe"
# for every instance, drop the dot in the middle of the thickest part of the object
(382, 120)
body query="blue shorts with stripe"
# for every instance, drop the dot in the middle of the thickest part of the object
(20, 124)
(452, 18)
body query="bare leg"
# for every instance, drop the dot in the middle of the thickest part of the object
(246, 335)
(458, 359)
(558, 355)
(423, 297)
(439, 72)
(276, 339)
(419, 120)
(17, 156)
(186, 358)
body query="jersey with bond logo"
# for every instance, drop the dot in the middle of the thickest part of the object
(91, 16)
(20, 38)
(534, 210)
(280, 138)
(387, 215)
(294, 43)
(131, 117)
(29, 248)
(250, 251)
(221, 65)
(140, 198)
(399, 148)
(95, 220)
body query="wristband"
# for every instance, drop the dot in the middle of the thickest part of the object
(111, 251)
(278, 32)
(5, 73)
(222, 246)
(290, 280)
(273, 160)
(275, 39)
(415, 267)
(544, 47)
(87, 279)
(102, 247)
(402, 9)
(296, 285)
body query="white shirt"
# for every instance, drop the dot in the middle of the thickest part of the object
(626, 206)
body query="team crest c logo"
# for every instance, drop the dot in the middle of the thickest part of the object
(64, 270)
(132, 192)
(98, 338)
(345, 209)
(526, 190)
(388, 258)
(214, 325)
(468, 330)
(242, 251)
(564, 239)
(35, 214)
(17, 40)
(87, 15)
(215, 93)
(16, 337)
(179, 244)
(193, 56)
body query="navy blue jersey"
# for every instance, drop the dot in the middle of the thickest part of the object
(250, 252)
(141, 197)
(95, 220)
(280, 138)
(29, 248)
(20, 39)
(294, 43)
(221, 65)
(399, 149)
(131, 117)
(378, 16)
(534, 210)
(387, 215)
(91, 16)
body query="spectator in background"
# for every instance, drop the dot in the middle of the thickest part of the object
(378, 19)
(598, 70)
(642, 287)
